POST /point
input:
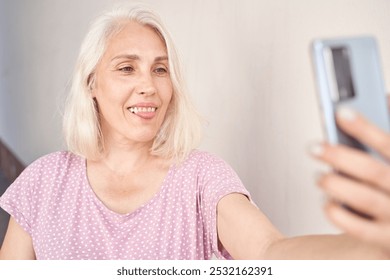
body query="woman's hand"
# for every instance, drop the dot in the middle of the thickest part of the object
(365, 183)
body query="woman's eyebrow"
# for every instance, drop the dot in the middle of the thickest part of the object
(126, 56)
(136, 57)
(161, 58)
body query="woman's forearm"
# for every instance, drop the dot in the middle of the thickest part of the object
(326, 247)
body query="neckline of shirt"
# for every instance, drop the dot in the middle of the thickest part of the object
(111, 212)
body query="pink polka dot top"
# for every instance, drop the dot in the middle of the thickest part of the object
(54, 203)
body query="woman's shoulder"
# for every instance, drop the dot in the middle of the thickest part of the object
(204, 157)
(207, 161)
(58, 156)
(59, 159)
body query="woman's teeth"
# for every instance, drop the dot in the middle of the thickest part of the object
(135, 110)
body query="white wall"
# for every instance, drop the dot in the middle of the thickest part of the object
(248, 69)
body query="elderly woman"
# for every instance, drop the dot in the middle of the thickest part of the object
(132, 185)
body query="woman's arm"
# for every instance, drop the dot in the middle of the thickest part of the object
(17, 243)
(246, 233)
(365, 186)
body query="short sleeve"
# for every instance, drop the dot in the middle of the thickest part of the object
(218, 180)
(17, 199)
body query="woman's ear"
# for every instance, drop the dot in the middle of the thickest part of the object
(91, 84)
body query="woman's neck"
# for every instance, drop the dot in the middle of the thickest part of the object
(123, 156)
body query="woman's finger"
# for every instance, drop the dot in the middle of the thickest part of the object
(354, 163)
(364, 229)
(356, 195)
(360, 128)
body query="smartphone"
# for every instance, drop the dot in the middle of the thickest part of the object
(348, 73)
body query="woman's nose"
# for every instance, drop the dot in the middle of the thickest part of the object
(145, 85)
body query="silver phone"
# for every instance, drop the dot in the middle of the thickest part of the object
(348, 73)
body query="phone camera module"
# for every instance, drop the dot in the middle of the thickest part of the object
(342, 71)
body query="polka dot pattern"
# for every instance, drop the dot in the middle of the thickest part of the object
(53, 201)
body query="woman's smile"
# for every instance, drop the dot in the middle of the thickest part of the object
(145, 111)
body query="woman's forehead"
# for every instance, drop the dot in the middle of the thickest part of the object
(134, 36)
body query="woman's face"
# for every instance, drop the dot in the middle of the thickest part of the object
(132, 85)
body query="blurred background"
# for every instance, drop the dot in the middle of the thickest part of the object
(248, 68)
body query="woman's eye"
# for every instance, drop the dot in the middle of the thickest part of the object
(127, 69)
(161, 70)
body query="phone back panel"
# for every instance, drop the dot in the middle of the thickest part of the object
(349, 74)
